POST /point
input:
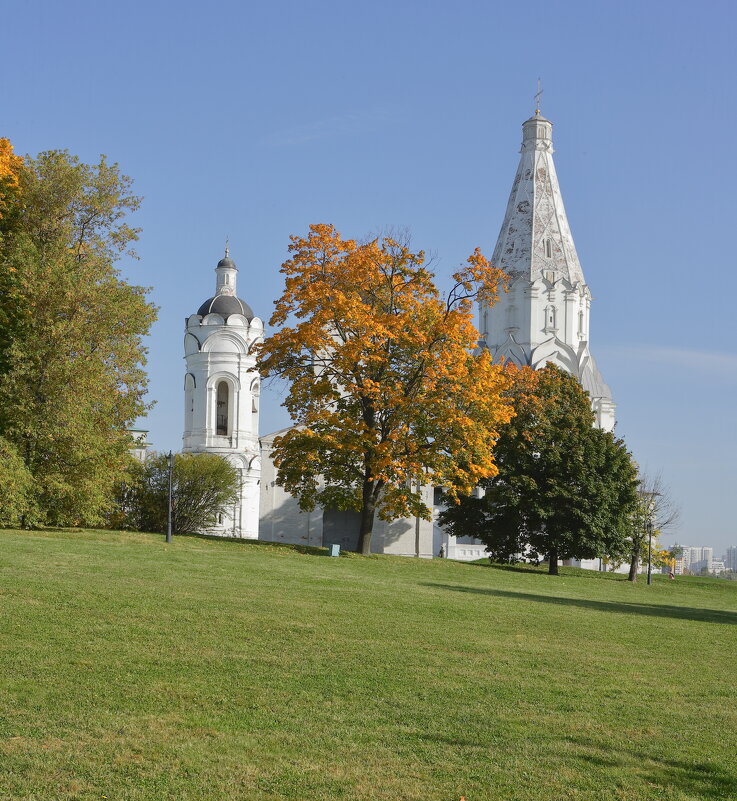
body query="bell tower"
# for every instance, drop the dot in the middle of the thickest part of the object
(221, 393)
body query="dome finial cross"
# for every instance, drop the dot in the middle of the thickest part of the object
(538, 95)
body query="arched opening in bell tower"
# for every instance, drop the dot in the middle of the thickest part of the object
(222, 409)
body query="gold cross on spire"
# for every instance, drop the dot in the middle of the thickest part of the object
(538, 95)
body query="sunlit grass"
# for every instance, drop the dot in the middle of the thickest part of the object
(223, 670)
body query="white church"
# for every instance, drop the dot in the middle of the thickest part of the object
(544, 318)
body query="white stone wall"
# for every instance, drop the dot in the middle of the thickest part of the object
(283, 521)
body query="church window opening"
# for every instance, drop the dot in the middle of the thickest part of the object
(550, 318)
(580, 323)
(548, 248)
(222, 399)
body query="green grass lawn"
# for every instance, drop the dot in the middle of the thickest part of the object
(133, 670)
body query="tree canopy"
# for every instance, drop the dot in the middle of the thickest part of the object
(16, 485)
(204, 485)
(386, 389)
(71, 353)
(654, 514)
(564, 489)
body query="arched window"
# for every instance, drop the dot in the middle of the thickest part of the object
(548, 248)
(222, 414)
(580, 324)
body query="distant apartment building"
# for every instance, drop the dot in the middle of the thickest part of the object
(717, 566)
(681, 562)
(694, 560)
(701, 559)
(730, 558)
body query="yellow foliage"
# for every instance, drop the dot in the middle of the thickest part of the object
(10, 167)
(10, 164)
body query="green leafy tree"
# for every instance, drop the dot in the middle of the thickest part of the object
(71, 353)
(16, 483)
(564, 488)
(204, 485)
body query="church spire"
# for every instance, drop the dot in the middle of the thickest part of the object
(544, 317)
(535, 239)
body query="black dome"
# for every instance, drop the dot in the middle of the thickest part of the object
(225, 305)
(227, 262)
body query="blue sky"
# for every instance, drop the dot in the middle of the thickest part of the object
(255, 120)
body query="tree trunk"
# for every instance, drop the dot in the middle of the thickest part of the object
(553, 562)
(634, 564)
(370, 494)
(367, 522)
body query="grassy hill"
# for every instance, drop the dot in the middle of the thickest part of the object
(210, 670)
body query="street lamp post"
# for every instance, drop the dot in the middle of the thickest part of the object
(170, 459)
(650, 512)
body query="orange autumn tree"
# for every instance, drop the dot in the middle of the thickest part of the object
(10, 168)
(386, 389)
(10, 164)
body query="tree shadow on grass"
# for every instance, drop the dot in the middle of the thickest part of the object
(624, 607)
(308, 550)
(565, 570)
(697, 779)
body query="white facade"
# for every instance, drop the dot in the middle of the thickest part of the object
(221, 393)
(140, 447)
(545, 315)
(283, 521)
(463, 549)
